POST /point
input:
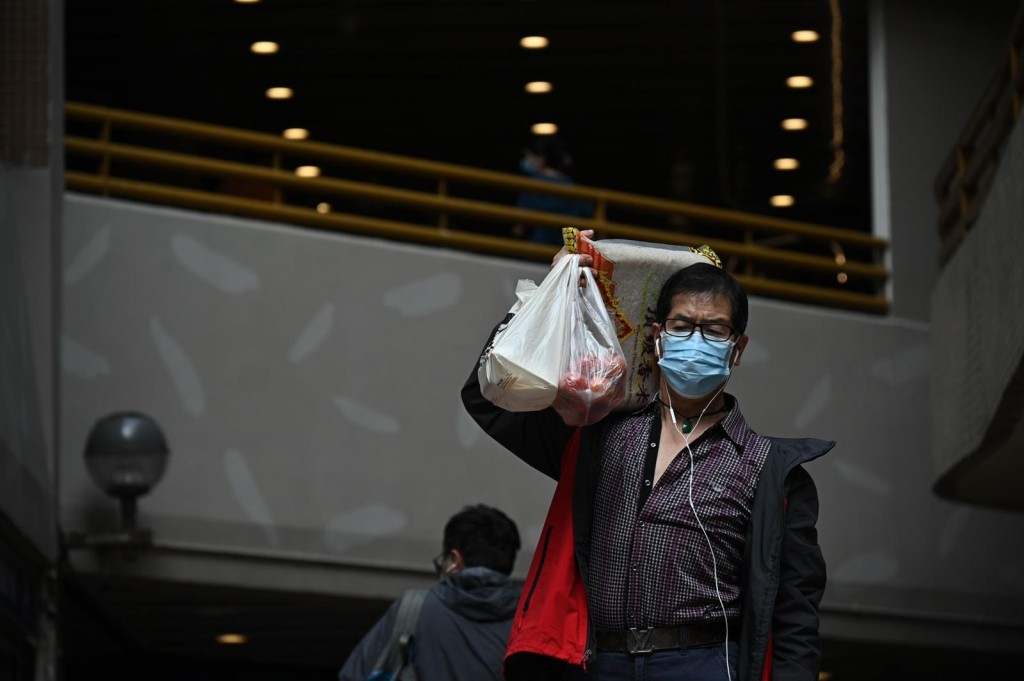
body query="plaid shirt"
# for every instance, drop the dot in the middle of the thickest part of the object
(650, 563)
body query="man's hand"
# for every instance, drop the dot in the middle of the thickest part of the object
(585, 260)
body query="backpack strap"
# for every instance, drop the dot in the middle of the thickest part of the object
(397, 656)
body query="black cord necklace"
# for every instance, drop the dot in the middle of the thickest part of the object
(686, 427)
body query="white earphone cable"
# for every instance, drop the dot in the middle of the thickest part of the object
(707, 538)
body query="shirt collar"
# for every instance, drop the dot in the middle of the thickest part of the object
(734, 425)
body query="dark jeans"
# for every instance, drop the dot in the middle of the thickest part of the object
(689, 664)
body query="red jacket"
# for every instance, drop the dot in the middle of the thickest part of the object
(553, 617)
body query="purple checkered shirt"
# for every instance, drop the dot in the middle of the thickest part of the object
(650, 565)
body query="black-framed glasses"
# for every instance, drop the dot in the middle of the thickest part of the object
(438, 562)
(683, 328)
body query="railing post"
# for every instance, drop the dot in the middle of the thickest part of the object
(276, 164)
(748, 265)
(105, 134)
(442, 217)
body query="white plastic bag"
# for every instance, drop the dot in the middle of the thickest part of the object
(521, 369)
(593, 379)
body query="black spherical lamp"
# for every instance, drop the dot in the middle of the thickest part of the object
(126, 455)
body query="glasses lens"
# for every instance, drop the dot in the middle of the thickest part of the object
(679, 327)
(716, 332)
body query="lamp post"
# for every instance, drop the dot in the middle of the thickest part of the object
(126, 455)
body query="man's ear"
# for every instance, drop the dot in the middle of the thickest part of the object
(741, 345)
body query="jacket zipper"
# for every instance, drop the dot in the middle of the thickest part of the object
(540, 568)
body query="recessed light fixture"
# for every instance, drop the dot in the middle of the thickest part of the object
(265, 47)
(533, 42)
(307, 171)
(842, 278)
(824, 676)
(296, 134)
(786, 164)
(538, 87)
(247, 2)
(798, 82)
(782, 200)
(280, 93)
(544, 128)
(794, 124)
(805, 36)
(323, 207)
(232, 639)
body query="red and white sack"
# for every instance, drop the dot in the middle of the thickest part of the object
(630, 275)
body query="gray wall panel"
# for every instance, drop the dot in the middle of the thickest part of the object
(308, 385)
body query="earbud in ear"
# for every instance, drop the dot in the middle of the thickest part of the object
(657, 346)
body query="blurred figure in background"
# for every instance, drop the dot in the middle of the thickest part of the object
(546, 158)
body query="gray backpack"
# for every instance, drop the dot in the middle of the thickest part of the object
(395, 661)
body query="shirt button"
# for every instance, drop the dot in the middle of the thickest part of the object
(647, 483)
(653, 445)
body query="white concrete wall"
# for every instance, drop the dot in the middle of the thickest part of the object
(308, 385)
(979, 339)
(930, 63)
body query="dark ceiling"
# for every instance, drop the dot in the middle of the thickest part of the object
(659, 97)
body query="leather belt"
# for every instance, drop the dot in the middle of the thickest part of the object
(640, 641)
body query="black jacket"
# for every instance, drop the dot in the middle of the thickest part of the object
(783, 572)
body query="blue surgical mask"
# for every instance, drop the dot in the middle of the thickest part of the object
(693, 366)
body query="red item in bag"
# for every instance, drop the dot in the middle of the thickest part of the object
(591, 388)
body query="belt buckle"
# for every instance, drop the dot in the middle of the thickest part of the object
(639, 641)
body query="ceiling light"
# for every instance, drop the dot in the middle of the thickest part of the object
(323, 207)
(232, 639)
(538, 87)
(782, 200)
(805, 36)
(786, 164)
(247, 2)
(824, 676)
(533, 42)
(280, 93)
(264, 47)
(799, 81)
(296, 134)
(842, 277)
(794, 124)
(307, 171)
(544, 129)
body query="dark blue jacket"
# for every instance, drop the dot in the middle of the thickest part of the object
(461, 634)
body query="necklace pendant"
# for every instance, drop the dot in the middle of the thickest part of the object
(687, 426)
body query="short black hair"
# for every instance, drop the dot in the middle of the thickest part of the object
(553, 149)
(705, 279)
(484, 536)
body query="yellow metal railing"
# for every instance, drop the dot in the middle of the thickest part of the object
(168, 161)
(966, 175)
